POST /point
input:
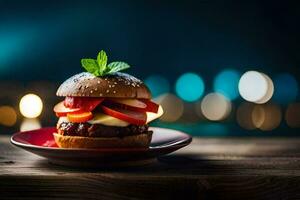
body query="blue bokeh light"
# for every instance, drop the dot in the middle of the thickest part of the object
(226, 83)
(189, 87)
(158, 85)
(285, 88)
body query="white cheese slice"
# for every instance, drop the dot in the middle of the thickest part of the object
(62, 119)
(107, 120)
(152, 116)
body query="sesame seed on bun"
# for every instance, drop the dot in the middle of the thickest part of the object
(117, 85)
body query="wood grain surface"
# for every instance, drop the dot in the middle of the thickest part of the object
(209, 168)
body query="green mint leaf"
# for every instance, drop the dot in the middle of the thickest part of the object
(102, 61)
(116, 66)
(90, 65)
(99, 66)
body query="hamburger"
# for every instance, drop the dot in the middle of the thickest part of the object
(104, 108)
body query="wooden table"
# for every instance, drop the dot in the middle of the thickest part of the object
(209, 168)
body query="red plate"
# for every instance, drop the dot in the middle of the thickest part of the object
(41, 142)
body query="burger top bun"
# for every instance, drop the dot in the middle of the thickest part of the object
(117, 85)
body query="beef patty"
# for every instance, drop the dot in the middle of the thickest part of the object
(99, 130)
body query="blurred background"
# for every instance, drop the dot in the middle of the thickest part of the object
(218, 68)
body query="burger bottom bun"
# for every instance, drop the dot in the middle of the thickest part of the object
(141, 140)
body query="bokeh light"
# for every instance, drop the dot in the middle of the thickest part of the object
(256, 87)
(157, 84)
(244, 115)
(286, 88)
(31, 106)
(189, 87)
(226, 83)
(190, 114)
(258, 116)
(8, 116)
(265, 117)
(215, 107)
(30, 124)
(292, 115)
(270, 90)
(172, 105)
(271, 115)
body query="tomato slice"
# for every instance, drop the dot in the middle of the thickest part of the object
(130, 102)
(150, 106)
(84, 103)
(61, 110)
(79, 117)
(132, 117)
(69, 102)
